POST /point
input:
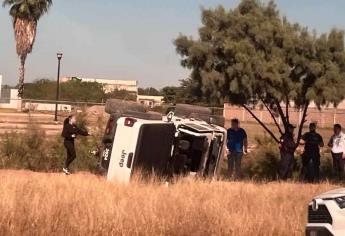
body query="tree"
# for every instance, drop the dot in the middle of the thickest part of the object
(185, 93)
(251, 55)
(25, 15)
(42, 89)
(149, 91)
(73, 90)
(77, 90)
(174, 94)
(122, 94)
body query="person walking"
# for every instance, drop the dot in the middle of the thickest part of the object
(69, 133)
(287, 147)
(312, 142)
(237, 144)
(337, 143)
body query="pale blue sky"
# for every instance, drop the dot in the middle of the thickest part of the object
(131, 39)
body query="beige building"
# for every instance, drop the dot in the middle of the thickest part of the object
(8, 97)
(150, 101)
(108, 84)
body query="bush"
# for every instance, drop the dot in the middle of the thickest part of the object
(29, 150)
(33, 150)
(262, 163)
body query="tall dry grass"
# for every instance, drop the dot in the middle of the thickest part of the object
(84, 204)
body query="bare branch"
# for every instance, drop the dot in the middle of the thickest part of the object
(282, 115)
(274, 119)
(302, 122)
(260, 122)
(287, 109)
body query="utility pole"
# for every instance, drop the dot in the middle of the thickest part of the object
(59, 57)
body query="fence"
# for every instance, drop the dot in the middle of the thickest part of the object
(325, 117)
(33, 105)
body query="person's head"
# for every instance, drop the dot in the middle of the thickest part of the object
(235, 124)
(72, 119)
(291, 128)
(312, 127)
(337, 128)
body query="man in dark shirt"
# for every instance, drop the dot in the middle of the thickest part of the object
(237, 144)
(312, 142)
(287, 149)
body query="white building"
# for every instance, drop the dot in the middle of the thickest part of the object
(0, 84)
(151, 101)
(34, 106)
(8, 97)
(109, 85)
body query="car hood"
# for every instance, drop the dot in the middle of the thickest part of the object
(332, 194)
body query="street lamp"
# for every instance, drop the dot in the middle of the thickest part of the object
(59, 57)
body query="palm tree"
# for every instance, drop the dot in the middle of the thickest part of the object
(25, 15)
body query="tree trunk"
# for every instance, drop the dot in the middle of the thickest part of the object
(287, 110)
(282, 115)
(261, 123)
(273, 118)
(21, 78)
(302, 122)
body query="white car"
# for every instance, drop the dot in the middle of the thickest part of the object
(165, 146)
(326, 214)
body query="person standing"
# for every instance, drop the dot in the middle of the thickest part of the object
(287, 147)
(312, 142)
(337, 143)
(237, 144)
(69, 133)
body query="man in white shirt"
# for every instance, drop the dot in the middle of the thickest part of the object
(337, 143)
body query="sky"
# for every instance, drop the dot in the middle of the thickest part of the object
(131, 39)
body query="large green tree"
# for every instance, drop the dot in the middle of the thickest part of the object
(42, 89)
(149, 91)
(74, 90)
(251, 54)
(121, 94)
(25, 15)
(186, 92)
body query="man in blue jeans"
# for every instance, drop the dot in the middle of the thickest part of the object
(237, 144)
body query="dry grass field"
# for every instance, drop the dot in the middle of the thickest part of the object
(84, 204)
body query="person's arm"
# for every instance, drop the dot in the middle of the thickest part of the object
(281, 140)
(342, 144)
(303, 138)
(245, 141)
(321, 144)
(228, 141)
(330, 142)
(82, 132)
(245, 145)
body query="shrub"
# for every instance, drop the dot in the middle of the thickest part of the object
(262, 162)
(33, 150)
